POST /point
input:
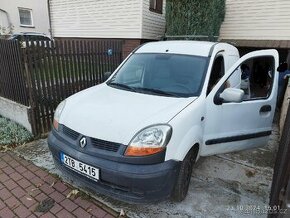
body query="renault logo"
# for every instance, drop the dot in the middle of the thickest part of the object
(83, 142)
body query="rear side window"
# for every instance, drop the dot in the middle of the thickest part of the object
(217, 72)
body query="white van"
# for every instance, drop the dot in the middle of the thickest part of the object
(137, 136)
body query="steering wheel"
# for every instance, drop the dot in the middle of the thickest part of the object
(180, 87)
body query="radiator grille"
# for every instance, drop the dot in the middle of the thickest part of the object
(105, 145)
(98, 143)
(70, 133)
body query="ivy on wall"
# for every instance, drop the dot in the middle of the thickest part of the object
(194, 17)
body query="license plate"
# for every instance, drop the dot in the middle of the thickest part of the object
(80, 167)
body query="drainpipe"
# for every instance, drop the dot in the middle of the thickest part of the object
(8, 17)
(49, 18)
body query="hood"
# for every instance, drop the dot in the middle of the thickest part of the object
(117, 115)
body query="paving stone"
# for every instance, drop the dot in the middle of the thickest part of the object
(18, 192)
(8, 170)
(23, 186)
(5, 194)
(20, 169)
(6, 213)
(68, 205)
(22, 211)
(56, 208)
(10, 184)
(15, 176)
(24, 183)
(58, 197)
(27, 201)
(79, 212)
(59, 186)
(12, 202)
(64, 214)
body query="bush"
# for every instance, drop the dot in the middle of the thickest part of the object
(12, 133)
(194, 17)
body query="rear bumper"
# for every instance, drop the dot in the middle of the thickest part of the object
(123, 181)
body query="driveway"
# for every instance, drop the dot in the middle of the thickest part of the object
(228, 185)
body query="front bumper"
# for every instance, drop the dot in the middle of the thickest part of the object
(124, 181)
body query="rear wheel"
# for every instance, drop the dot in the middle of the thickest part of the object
(181, 187)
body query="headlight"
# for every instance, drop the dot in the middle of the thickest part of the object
(57, 114)
(150, 140)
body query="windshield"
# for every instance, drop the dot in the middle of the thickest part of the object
(162, 74)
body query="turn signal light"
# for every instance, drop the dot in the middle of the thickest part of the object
(55, 124)
(137, 151)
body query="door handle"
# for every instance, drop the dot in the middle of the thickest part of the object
(265, 108)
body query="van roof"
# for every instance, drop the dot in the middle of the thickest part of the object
(198, 48)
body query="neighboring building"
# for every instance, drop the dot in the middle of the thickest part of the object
(257, 24)
(135, 21)
(24, 16)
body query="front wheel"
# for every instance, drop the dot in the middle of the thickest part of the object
(181, 187)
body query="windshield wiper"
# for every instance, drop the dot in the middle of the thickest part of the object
(159, 92)
(122, 86)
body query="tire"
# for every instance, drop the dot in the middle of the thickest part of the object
(182, 184)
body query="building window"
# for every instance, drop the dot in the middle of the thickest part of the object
(156, 6)
(25, 16)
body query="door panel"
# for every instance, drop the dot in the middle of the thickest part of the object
(237, 126)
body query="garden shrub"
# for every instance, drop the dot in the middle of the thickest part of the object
(194, 17)
(12, 133)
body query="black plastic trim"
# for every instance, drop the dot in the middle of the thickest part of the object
(211, 49)
(132, 183)
(90, 149)
(238, 138)
(265, 108)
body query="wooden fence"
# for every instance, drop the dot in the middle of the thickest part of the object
(12, 77)
(50, 71)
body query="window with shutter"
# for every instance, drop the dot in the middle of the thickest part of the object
(156, 6)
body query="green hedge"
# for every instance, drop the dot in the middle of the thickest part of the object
(194, 17)
(12, 134)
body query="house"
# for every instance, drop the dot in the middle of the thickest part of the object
(24, 16)
(135, 21)
(252, 24)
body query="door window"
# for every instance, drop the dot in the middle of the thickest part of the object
(217, 72)
(257, 76)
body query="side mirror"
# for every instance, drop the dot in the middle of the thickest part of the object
(282, 67)
(107, 75)
(231, 95)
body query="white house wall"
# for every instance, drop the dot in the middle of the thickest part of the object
(153, 24)
(39, 14)
(256, 20)
(96, 18)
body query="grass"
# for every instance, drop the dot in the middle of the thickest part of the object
(12, 133)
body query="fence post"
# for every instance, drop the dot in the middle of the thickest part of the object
(281, 174)
(31, 98)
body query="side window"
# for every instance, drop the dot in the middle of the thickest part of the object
(257, 76)
(156, 6)
(217, 72)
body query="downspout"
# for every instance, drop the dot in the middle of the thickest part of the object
(49, 18)
(8, 17)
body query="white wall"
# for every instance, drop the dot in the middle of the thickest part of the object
(256, 20)
(39, 11)
(16, 112)
(153, 24)
(96, 18)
